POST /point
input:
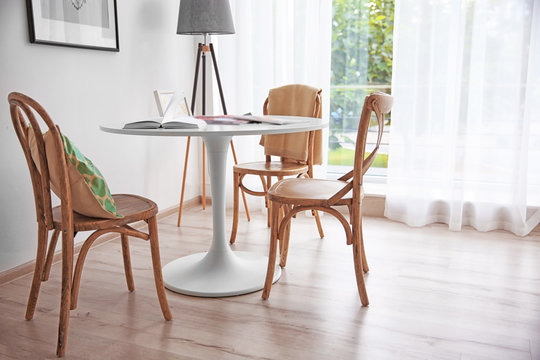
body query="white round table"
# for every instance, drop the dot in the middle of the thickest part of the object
(220, 271)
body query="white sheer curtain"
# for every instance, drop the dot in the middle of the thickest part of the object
(276, 43)
(465, 138)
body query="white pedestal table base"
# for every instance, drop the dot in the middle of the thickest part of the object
(206, 275)
(220, 271)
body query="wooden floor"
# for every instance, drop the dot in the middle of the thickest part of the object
(434, 294)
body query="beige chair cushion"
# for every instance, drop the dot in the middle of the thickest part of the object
(308, 191)
(271, 168)
(293, 100)
(90, 194)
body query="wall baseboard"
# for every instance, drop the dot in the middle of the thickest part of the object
(28, 267)
(373, 205)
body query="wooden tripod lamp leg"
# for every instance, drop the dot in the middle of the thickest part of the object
(242, 191)
(183, 183)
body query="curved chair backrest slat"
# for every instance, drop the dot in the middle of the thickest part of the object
(378, 103)
(23, 111)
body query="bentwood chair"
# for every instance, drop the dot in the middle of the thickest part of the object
(48, 165)
(323, 195)
(297, 152)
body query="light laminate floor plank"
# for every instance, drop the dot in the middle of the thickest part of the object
(435, 294)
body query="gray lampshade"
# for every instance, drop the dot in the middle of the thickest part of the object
(205, 17)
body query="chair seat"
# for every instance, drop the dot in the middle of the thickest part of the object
(271, 168)
(132, 207)
(314, 192)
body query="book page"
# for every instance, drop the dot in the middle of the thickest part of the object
(176, 108)
(177, 113)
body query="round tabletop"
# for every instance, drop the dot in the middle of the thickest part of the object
(294, 124)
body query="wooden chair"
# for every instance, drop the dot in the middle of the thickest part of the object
(285, 166)
(323, 195)
(62, 219)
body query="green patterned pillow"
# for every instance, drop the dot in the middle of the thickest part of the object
(91, 176)
(90, 194)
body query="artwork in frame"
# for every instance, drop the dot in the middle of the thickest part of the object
(89, 24)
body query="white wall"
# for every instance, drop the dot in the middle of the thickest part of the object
(82, 89)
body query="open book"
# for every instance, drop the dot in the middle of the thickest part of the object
(176, 116)
(184, 122)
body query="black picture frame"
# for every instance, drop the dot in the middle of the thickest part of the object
(74, 23)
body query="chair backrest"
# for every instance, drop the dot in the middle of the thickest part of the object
(23, 111)
(295, 100)
(380, 104)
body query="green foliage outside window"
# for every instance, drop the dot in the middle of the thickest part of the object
(362, 39)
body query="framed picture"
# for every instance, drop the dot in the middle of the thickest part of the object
(168, 101)
(88, 24)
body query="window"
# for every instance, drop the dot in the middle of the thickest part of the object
(362, 37)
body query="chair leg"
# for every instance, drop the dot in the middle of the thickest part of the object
(265, 187)
(268, 205)
(50, 255)
(38, 270)
(273, 249)
(156, 263)
(183, 183)
(365, 266)
(236, 187)
(77, 273)
(285, 240)
(127, 262)
(358, 233)
(280, 218)
(242, 191)
(318, 221)
(358, 269)
(245, 205)
(269, 212)
(67, 269)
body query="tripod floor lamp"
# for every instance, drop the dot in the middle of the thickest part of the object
(204, 17)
